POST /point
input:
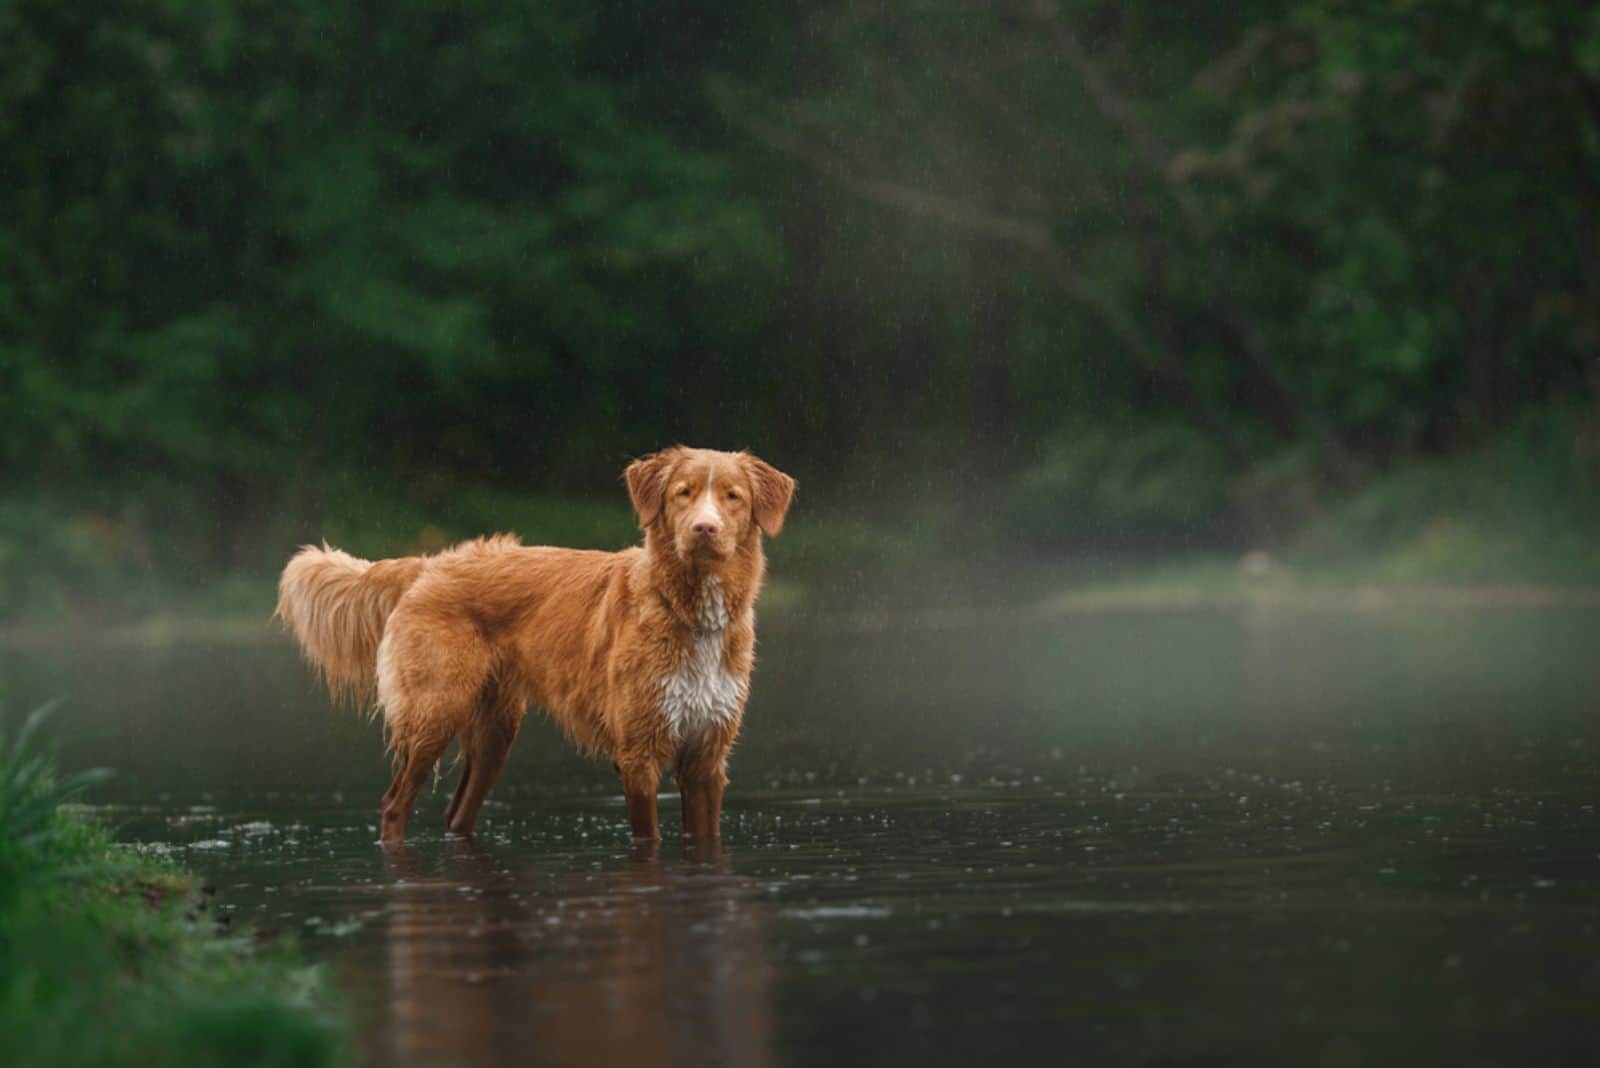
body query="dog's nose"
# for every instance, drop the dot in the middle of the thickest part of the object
(706, 529)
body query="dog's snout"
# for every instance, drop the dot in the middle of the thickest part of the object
(705, 528)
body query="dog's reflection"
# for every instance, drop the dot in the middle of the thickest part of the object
(647, 961)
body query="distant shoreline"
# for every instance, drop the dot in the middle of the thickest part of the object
(789, 605)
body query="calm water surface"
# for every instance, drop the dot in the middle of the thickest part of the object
(1221, 837)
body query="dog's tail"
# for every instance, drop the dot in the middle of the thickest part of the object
(337, 606)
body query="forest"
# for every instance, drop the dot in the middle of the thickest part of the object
(1016, 279)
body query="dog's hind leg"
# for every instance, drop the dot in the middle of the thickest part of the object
(431, 675)
(422, 733)
(416, 762)
(487, 744)
(461, 784)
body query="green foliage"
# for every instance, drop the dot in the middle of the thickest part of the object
(1525, 506)
(30, 793)
(1145, 272)
(1164, 483)
(366, 230)
(378, 525)
(1420, 171)
(100, 965)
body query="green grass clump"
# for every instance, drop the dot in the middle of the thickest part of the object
(104, 960)
(1524, 509)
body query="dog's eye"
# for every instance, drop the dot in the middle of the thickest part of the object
(732, 496)
(683, 491)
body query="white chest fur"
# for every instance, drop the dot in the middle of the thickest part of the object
(701, 693)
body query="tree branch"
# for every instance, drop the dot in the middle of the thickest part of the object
(1032, 236)
(1116, 109)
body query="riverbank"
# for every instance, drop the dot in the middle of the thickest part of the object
(1496, 527)
(113, 957)
(967, 594)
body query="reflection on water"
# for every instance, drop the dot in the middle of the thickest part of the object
(1199, 838)
(648, 962)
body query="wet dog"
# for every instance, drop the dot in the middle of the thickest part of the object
(642, 656)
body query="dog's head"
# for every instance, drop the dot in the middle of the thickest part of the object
(704, 504)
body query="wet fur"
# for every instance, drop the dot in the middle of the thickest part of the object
(460, 644)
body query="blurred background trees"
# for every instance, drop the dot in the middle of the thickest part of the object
(1129, 275)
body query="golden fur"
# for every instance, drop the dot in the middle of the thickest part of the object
(337, 605)
(458, 645)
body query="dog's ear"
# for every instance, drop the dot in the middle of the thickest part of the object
(647, 484)
(773, 492)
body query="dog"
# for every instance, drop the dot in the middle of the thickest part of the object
(642, 656)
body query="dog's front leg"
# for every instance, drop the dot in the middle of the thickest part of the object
(702, 804)
(702, 775)
(639, 783)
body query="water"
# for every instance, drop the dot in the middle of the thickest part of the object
(1219, 837)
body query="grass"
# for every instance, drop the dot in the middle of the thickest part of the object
(1524, 509)
(106, 957)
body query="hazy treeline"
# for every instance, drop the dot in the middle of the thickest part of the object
(1122, 270)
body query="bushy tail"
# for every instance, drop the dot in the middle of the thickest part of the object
(337, 606)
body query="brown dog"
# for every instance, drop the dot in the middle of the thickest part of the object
(643, 655)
